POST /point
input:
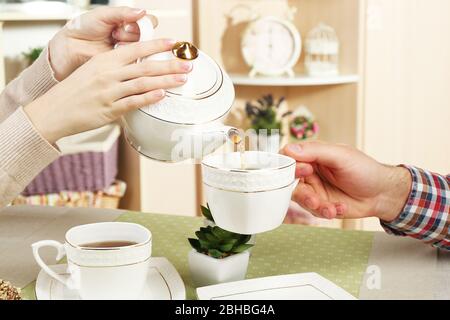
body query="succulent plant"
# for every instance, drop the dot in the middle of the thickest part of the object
(218, 243)
(206, 212)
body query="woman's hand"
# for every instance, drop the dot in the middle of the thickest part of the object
(92, 33)
(338, 181)
(107, 86)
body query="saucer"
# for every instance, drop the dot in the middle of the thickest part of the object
(163, 283)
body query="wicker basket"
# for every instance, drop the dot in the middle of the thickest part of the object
(89, 163)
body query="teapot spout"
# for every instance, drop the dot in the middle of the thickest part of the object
(233, 134)
(228, 132)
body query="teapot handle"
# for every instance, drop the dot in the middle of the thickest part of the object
(146, 28)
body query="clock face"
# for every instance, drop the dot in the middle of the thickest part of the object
(271, 45)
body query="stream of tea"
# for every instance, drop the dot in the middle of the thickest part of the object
(239, 143)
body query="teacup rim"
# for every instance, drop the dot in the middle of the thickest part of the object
(254, 171)
(252, 192)
(137, 245)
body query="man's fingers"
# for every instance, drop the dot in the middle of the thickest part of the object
(341, 210)
(305, 196)
(135, 51)
(319, 152)
(303, 170)
(308, 198)
(327, 210)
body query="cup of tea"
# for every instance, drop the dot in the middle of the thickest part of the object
(248, 192)
(106, 261)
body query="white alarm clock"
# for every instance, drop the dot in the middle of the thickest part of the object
(271, 46)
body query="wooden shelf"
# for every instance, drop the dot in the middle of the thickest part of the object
(37, 11)
(297, 81)
(21, 16)
(60, 12)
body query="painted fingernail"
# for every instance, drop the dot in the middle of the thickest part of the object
(186, 66)
(309, 203)
(159, 93)
(295, 148)
(181, 77)
(128, 28)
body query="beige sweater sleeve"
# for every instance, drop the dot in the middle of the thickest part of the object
(23, 151)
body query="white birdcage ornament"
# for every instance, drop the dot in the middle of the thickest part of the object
(322, 51)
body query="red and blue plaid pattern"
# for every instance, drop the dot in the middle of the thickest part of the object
(426, 215)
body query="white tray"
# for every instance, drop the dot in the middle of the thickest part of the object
(305, 286)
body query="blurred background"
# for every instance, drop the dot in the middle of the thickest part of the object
(370, 73)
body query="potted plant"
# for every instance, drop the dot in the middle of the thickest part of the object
(218, 256)
(206, 212)
(32, 54)
(303, 126)
(265, 115)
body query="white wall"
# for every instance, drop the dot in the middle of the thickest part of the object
(407, 83)
(406, 97)
(21, 36)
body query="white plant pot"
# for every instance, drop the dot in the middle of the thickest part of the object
(207, 271)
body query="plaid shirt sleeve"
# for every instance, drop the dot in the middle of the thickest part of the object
(426, 215)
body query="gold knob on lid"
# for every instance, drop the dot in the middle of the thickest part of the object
(185, 51)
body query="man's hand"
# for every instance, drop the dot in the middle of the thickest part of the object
(338, 181)
(92, 33)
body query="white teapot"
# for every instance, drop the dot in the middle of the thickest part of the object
(190, 117)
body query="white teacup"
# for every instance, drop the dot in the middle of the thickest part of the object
(103, 273)
(252, 200)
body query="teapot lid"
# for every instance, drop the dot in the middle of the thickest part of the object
(207, 94)
(204, 80)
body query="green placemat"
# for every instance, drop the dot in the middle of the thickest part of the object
(338, 255)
